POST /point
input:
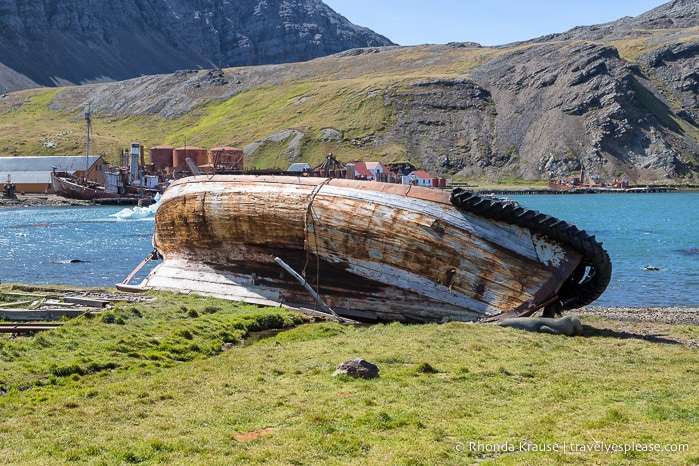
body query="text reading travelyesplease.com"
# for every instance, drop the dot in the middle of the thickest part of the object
(595, 447)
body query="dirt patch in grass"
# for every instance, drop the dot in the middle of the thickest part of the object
(253, 435)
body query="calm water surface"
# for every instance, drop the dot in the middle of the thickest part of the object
(81, 246)
(661, 230)
(88, 246)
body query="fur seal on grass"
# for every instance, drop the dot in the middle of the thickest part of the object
(568, 325)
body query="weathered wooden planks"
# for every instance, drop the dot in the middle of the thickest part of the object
(398, 251)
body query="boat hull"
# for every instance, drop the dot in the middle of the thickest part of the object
(370, 250)
(66, 187)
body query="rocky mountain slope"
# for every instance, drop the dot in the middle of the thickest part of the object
(619, 99)
(59, 42)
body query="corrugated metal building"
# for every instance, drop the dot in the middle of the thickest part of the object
(300, 167)
(33, 174)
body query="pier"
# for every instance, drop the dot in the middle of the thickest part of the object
(532, 191)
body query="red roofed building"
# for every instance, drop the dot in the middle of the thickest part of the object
(361, 172)
(371, 171)
(418, 178)
(378, 171)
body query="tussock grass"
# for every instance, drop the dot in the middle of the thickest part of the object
(152, 386)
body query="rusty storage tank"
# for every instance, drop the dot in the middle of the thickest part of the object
(161, 156)
(197, 154)
(227, 157)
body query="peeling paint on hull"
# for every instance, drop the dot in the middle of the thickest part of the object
(370, 250)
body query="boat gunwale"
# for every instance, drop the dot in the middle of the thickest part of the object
(411, 191)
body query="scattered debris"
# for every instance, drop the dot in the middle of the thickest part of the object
(17, 329)
(48, 306)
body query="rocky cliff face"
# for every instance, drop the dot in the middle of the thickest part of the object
(50, 42)
(548, 110)
(551, 106)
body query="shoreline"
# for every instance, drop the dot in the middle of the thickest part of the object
(649, 314)
(43, 200)
(54, 200)
(654, 324)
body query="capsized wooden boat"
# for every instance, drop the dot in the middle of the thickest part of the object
(370, 250)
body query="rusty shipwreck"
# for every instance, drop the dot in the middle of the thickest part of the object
(369, 250)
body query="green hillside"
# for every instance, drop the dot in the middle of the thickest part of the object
(344, 93)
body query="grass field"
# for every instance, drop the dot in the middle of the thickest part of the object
(193, 380)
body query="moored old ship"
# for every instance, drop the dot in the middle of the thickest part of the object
(370, 250)
(128, 184)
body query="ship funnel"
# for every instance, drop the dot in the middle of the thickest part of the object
(134, 161)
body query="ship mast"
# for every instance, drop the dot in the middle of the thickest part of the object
(87, 143)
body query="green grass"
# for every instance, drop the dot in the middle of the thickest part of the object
(150, 384)
(353, 109)
(307, 107)
(134, 335)
(514, 183)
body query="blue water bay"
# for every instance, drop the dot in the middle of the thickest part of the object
(81, 246)
(90, 246)
(659, 230)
